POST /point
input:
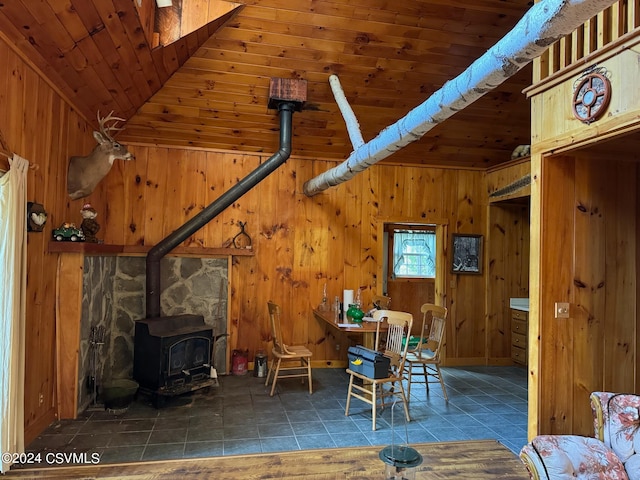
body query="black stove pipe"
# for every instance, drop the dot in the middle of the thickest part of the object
(214, 209)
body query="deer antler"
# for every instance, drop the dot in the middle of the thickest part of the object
(84, 173)
(104, 129)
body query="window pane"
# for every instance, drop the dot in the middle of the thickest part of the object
(414, 253)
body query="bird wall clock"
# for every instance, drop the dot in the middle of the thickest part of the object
(591, 97)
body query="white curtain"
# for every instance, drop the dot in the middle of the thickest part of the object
(13, 286)
(414, 253)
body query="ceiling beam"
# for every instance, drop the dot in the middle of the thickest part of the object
(545, 23)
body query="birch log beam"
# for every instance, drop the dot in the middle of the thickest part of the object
(353, 127)
(545, 23)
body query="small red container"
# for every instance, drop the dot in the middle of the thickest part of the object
(239, 360)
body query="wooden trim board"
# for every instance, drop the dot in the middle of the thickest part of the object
(468, 460)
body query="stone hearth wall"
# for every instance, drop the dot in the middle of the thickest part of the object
(114, 298)
(97, 312)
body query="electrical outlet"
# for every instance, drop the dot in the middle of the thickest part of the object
(41, 399)
(337, 347)
(561, 310)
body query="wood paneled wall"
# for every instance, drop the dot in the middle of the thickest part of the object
(590, 246)
(507, 248)
(584, 247)
(300, 243)
(41, 127)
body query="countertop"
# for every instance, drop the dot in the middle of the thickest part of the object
(519, 304)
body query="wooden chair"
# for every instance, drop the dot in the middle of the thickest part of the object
(399, 324)
(284, 355)
(423, 360)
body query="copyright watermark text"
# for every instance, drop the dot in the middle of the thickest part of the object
(52, 458)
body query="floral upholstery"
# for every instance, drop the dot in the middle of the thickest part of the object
(616, 421)
(560, 457)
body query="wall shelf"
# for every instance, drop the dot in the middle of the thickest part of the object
(88, 248)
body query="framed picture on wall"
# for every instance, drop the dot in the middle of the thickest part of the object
(466, 253)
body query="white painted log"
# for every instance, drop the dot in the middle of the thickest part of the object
(544, 23)
(350, 120)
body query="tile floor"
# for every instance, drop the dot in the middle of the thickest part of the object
(239, 416)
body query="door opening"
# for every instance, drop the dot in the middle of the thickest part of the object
(412, 264)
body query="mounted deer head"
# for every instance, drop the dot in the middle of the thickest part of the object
(85, 172)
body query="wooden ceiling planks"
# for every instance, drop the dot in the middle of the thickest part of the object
(210, 89)
(95, 52)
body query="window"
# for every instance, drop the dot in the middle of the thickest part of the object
(414, 253)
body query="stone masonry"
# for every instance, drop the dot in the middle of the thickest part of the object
(113, 298)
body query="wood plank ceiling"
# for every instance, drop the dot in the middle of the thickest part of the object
(210, 88)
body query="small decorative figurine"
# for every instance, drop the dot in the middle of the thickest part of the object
(68, 232)
(36, 217)
(89, 225)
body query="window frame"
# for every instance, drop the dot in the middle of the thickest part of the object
(392, 230)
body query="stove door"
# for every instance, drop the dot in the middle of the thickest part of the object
(188, 354)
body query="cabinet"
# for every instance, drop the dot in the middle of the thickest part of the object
(519, 329)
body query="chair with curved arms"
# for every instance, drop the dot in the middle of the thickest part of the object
(613, 454)
(285, 356)
(370, 390)
(567, 457)
(616, 423)
(423, 360)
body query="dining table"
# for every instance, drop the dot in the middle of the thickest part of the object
(367, 329)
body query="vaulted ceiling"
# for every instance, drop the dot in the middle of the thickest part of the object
(209, 89)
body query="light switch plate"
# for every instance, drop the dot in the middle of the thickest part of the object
(561, 310)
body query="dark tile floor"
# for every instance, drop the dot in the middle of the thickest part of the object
(239, 416)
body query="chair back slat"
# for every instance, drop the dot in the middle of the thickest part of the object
(433, 321)
(399, 326)
(395, 334)
(435, 335)
(276, 328)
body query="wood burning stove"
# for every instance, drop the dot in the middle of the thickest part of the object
(172, 355)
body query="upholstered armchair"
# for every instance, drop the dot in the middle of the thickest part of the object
(565, 457)
(614, 452)
(616, 422)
